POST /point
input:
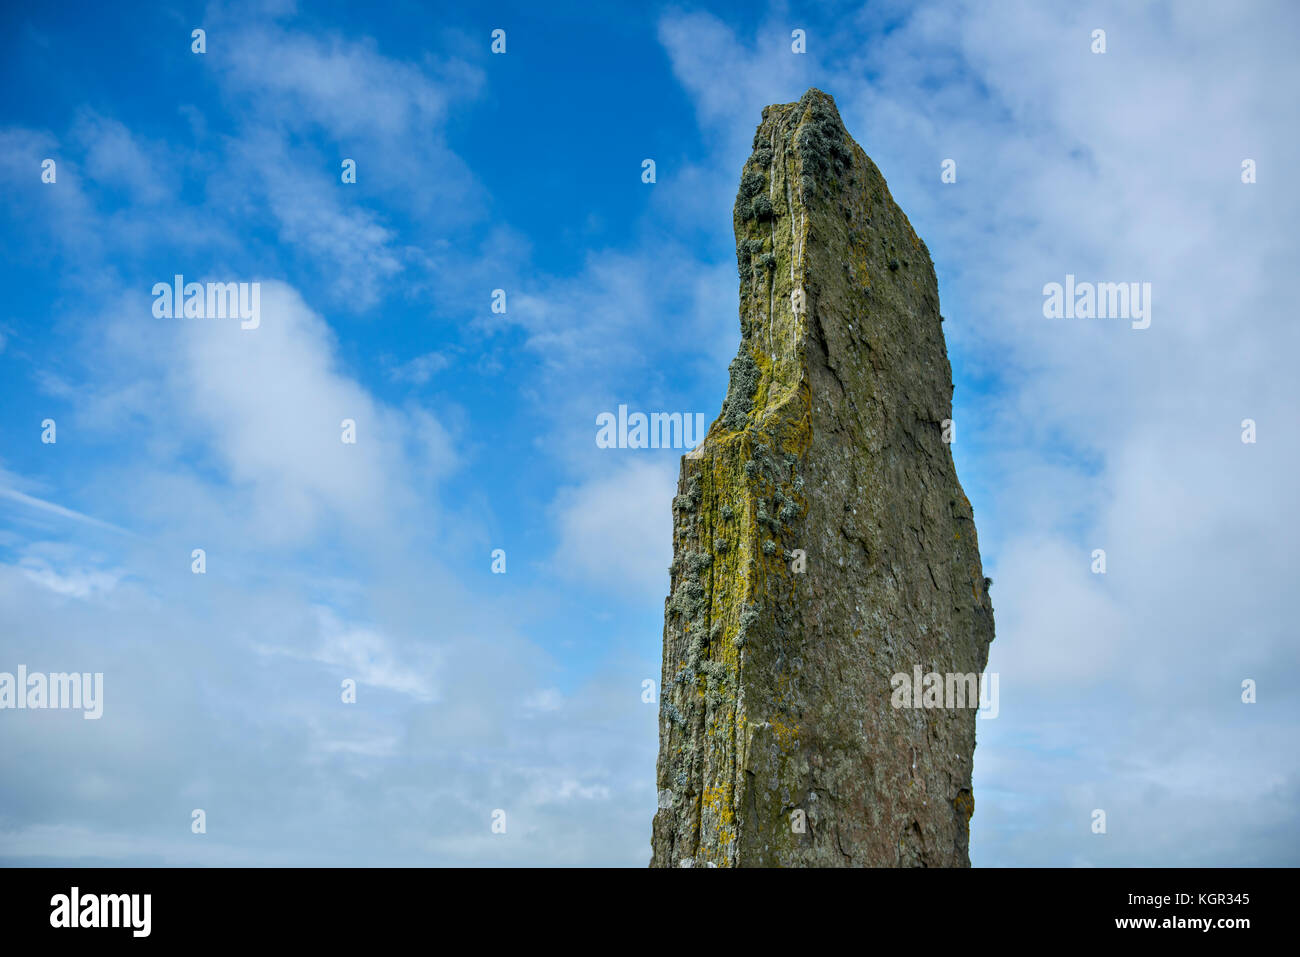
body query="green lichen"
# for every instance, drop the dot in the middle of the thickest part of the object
(688, 501)
(749, 618)
(752, 183)
(740, 392)
(698, 561)
(688, 600)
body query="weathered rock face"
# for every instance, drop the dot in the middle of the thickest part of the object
(822, 543)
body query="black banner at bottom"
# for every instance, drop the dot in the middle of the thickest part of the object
(1221, 906)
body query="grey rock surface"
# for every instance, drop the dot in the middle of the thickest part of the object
(822, 542)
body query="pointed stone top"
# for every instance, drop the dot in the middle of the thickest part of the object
(813, 95)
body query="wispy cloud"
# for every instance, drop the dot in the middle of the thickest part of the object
(52, 508)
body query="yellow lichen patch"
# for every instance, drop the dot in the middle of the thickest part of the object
(718, 800)
(716, 812)
(964, 803)
(787, 735)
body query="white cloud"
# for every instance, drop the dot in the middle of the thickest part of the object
(612, 528)
(115, 160)
(422, 368)
(369, 657)
(52, 508)
(82, 583)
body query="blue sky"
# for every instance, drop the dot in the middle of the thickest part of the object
(522, 171)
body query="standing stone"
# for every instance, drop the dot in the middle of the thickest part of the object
(822, 543)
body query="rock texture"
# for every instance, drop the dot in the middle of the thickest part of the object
(822, 543)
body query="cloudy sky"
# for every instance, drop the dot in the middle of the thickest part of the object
(521, 171)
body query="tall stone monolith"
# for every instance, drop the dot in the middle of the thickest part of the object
(823, 547)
